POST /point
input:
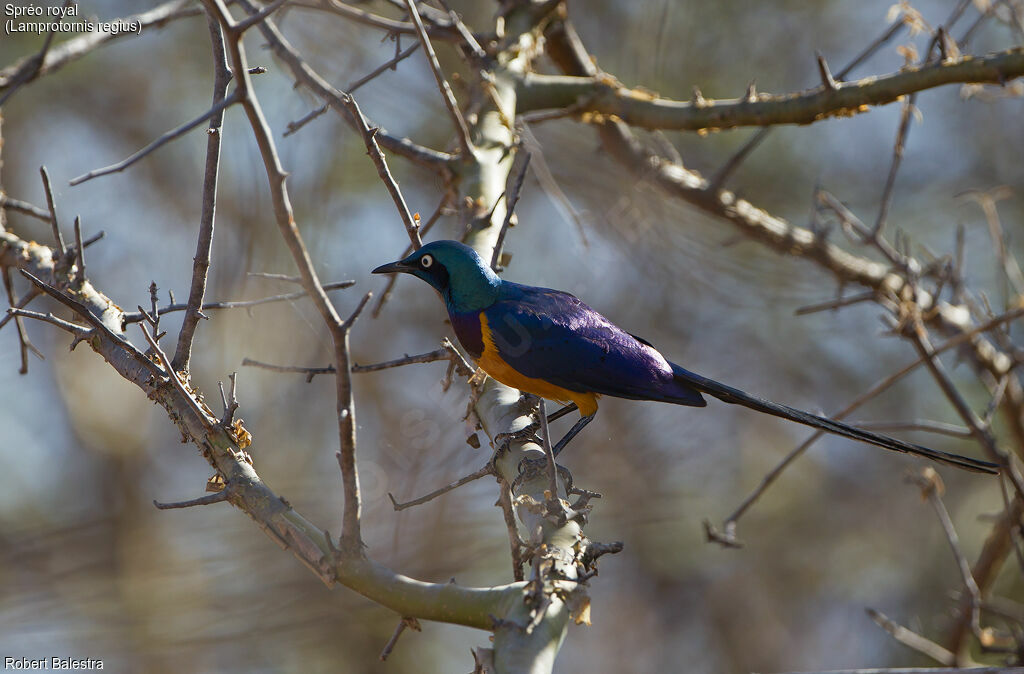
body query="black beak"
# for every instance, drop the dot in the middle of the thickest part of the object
(393, 267)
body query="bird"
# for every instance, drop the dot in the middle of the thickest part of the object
(550, 344)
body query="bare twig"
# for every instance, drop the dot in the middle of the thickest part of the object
(848, 219)
(462, 131)
(515, 541)
(351, 88)
(915, 641)
(159, 142)
(423, 231)
(350, 321)
(74, 329)
(437, 30)
(19, 304)
(985, 571)
(906, 114)
(987, 202)
(373, 150)
(306, 76)
(486, 470)
(511, 200)
(448, 352)
(209, 499)
(836, 303)
(469, 41)
(204, 242)
(260, 16)
(23, 207)
(930, 484)
(402, 624)
(982, 434)
(241, 304)
(729, 167)
(94, 238)
(54, 223)
(310, 372)
(443, 353)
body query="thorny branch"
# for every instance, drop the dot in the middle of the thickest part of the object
(351, 541)
(583, 89)
(607, 98)
(896, 289)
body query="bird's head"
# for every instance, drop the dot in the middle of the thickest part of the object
(455, 270)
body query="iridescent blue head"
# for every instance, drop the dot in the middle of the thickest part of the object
(455, 270)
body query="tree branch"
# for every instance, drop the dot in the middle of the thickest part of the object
(204, 244)
(305, 75)
(606, 97)
(217, 109)
(446, 602)
(461, 130)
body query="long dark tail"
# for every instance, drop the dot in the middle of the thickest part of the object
(737, 397)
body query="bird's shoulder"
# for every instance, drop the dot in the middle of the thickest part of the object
(557, 323)
(547, 305)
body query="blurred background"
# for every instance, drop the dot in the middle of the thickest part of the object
(89, 568)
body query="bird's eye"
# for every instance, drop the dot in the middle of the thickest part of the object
(426, 261)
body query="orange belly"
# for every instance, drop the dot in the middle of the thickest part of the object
(498, 369)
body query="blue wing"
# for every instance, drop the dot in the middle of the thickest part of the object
(551, 335)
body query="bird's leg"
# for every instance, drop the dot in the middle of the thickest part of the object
(555, 416)
(572, 433)
(530, 432)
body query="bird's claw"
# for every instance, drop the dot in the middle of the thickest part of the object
(525, 434)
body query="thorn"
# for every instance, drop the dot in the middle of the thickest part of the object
(698, 99)
(751, 95)
(940, 38)
(827, 80)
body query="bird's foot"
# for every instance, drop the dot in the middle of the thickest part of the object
(527, 433)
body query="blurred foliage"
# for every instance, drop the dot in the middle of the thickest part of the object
(89, 568)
